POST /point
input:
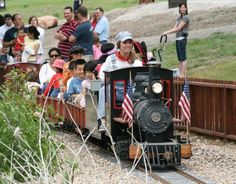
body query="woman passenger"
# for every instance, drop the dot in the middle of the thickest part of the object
(123, 58)
(47, 70)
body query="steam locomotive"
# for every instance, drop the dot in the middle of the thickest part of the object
(151, 136)
(153, 125)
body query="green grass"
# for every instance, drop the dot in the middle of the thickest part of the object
(213, 57)
(55, 7)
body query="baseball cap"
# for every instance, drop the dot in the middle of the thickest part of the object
(77, 49)
(124, 35)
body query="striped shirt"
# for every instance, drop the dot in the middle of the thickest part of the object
(68, 29)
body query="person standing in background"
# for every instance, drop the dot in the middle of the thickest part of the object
(77, 4)
(1, 20)
(8, 25)
(9, 38)
(33, 21)
(181, 29)
(66, 30)
(83, 35)
(102, 27)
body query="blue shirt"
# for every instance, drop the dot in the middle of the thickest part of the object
(74, 87)
(102, 28)
(84, 37)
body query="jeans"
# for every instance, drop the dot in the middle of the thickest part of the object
(55, 92)
(101, 103)
(3, 59)
(44, 87)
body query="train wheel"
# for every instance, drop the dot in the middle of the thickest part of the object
(122, 149)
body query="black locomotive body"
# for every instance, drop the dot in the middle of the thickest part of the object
(152, 114)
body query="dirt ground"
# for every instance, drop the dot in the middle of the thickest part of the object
(147, 22)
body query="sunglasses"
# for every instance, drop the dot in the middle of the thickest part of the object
(51, 56)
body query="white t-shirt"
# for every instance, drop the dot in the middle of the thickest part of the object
(45, 74)
(3, 30)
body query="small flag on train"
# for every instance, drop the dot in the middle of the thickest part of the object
(184, 102)
(127, 105)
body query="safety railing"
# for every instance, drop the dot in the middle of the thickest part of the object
(213, 107)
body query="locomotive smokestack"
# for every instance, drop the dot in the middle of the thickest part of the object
(154, 75)
(154, 72)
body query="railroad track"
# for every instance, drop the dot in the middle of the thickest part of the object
(174, 175)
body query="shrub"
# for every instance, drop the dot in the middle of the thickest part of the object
(26, 150)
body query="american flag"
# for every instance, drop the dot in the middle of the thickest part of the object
(184, 102)
(127, 106)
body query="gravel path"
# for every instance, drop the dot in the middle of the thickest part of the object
(95, 168)
(212, 158)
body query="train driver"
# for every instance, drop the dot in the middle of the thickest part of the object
(122, 58)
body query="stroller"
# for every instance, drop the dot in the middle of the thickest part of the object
(157, 56)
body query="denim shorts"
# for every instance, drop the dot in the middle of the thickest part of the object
(181, 49)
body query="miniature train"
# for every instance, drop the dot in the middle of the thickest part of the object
(152, 114)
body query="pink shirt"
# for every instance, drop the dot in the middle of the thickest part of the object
(96, 52)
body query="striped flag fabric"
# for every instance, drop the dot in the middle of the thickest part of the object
(184, 102)
(127, 106)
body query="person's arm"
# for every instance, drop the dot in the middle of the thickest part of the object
(7, 41)
(95, 34)
(176, 28)
(76, 34)
(72, 39)
(60, 36)
(99, 28)
(104, 67)
(49, 86)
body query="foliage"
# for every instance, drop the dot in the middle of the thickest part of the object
(25, 144)
(213, 57)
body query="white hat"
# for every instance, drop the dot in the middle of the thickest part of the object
(124, 35)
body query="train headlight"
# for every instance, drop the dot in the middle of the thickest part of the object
(157, 87)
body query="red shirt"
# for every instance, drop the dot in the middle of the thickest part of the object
(94, 23)
(54, 82)
(19, 43)
(68, 28)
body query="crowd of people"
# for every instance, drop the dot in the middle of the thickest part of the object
(83, 52)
